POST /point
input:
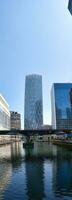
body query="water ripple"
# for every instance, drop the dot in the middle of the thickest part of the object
(41, 173)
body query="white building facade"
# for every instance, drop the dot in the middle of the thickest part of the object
(4, 114)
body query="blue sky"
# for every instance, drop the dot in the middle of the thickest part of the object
(35, 37)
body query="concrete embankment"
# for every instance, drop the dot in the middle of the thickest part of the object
(63, 143)
(4, 141)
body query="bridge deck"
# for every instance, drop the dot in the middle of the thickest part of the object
(34, 132)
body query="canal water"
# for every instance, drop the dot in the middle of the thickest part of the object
(42, 172)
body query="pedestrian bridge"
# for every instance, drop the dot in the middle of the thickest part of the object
(35, 132)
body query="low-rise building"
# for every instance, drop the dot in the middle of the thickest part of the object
(15, 120)
(46, 127)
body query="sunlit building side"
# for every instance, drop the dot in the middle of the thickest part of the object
(61, 103)
(4, 114)
(33, 116)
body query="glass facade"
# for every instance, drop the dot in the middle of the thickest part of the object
(70, 6)
(4, 114)
(61, 99)
(33, 117)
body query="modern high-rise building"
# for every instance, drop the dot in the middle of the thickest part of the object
(61, 99)
(15, 120)
(70, 6)
(33, 116)
(4, 114)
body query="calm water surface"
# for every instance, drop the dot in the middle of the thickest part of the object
(43, 172)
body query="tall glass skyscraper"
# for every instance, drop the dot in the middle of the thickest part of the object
(61, 99)
(33, 116)
(70, 6)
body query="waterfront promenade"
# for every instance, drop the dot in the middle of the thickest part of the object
(57, 138)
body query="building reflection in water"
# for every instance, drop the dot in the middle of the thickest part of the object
(34, 176)
(5, 169)
(48, 169)
(11, 157)
(17, 154)
(62, 173)
(45, 150)
(41, 172)
(5, 176)
(36, 170)
(5, 152)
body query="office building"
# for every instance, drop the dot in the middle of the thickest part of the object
(46, 127)
(15, 120)
(4, 114)
(33, 116)
(70, 6)
(61, 99)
